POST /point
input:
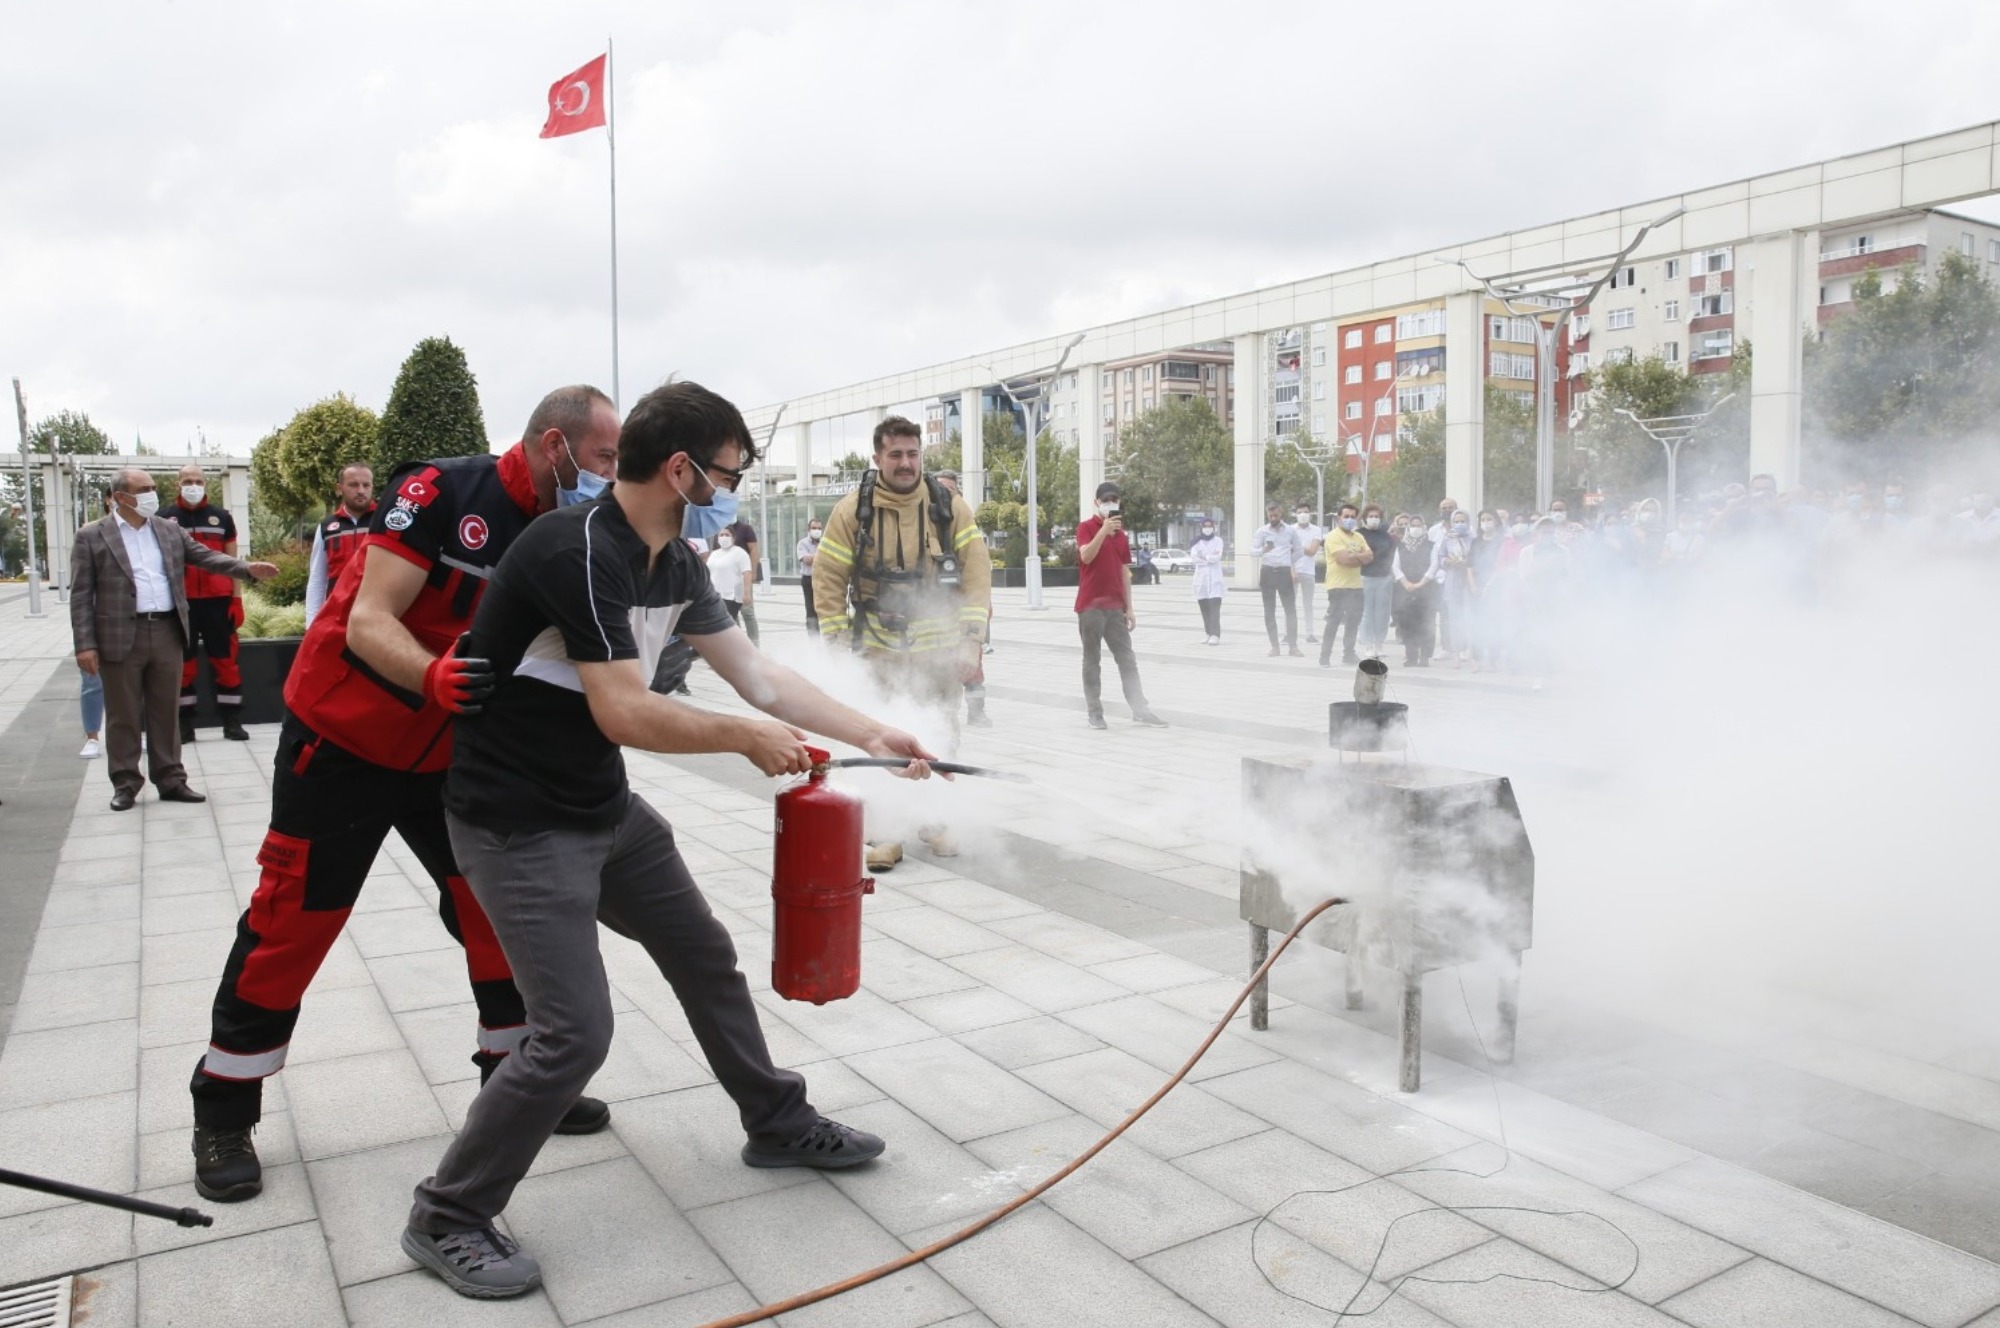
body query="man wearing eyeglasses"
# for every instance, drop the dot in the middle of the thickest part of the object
(367, 735)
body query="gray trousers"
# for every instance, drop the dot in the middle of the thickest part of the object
(545, 892)
(1106, 627)
(142, 694)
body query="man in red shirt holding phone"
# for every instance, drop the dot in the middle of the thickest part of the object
(1104, 608)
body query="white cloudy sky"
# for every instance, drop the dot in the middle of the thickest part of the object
(214, 212)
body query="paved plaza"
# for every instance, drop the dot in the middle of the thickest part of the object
(1017, 1000)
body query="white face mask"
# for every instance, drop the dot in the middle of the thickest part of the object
(148, 503)
(723, 541)
(194, 495)
(813, 535)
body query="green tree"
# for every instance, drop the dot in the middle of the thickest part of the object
(1413, 481)
(1174, 458)
(1909, 381)
(1509, 479)
(73, 434)
(433, 410)
(851, 467)
(1611, 454)
(293, 471)
(1006, 470)
(1287, 477)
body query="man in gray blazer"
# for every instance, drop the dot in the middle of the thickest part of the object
(128, 613)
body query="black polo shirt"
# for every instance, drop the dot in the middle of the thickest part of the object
(574, 588)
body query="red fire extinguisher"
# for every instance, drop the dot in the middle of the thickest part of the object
(816, 889)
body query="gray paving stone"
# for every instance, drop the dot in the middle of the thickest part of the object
(835, 1087)
(59, 949)
(896, 972)
(1207, 1000)
(960, 1093)
(50, 1241)
(346, 1021)
(1153, 972)
(1672, 1255)
(364, 1203)
(443, 1038)
(969, 899)
(1760, 1294)
(762, 1239)
(398, 931)
(106, 1297)
(359, 1102)
(97, 847)
(184, 956)
(1107, 1085)
(1491, 1285)
(201, 912)
(1028, 1042)
(86, 1141)
(1300, 1287)
(692, 1143)
(963, 1011)
(1375, 1134)
(1066, 939)
(1263, 1170)
(286, 1199)
(64, 998)
(922, 1179)
(1381, 1226)
(164, 1102)
(1010, 1272)
(227, 1283)
(82, 907)
(1907, 1273)
(608, 1240)
(70, 876)
(421, 1297)
(169, 882)
(171, 1013)
(391, 894)
(69, 1063)
(644, 1061)
(1164, 1038)
(936, 932)
(202, 852)
(1607, 1153)
(862, 1022)
(421, 979)
(1132, 1201)
(1049, 985)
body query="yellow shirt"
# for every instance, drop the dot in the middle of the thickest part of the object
(1343, 541)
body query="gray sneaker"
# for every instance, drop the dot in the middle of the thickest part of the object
(828, 1146)
(482, 1264)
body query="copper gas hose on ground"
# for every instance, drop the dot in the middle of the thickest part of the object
(915, 1257)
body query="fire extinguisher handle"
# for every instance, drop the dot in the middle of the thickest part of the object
(942, 767)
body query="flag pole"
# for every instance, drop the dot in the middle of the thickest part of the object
(611, 140)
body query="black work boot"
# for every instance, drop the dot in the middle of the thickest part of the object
(586, 1115)
(233, 729)
(975, 709)
(226, 1168)
(187, 727)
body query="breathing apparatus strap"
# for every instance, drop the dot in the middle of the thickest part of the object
(942, 517)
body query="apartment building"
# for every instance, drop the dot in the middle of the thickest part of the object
(1384, 369)
(1128, 389)
(1922, 238)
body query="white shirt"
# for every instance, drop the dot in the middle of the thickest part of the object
(807, 551)
(1306, 565)
(149, 567)
(1279, 547)
(727, 568)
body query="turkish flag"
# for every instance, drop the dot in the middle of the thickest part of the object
(576, 101)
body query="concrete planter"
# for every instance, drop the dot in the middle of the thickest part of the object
(266, 662)
(1013, 578)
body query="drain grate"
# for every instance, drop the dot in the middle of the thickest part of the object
(44, 1305)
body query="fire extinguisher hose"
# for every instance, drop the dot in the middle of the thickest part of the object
(942, 767)
(915, 1257)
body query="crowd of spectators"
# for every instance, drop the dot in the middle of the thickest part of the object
(1490, 590)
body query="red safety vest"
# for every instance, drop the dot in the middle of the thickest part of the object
(215, 528)
(454, 518)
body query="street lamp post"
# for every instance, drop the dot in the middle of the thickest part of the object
(28, 496)
(1670, 431)
(1319, 462)
(764, 496)
(1547, 335)
(1031, 418)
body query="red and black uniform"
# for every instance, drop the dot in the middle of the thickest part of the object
(360, 756)
(212, 603)
(340, 538)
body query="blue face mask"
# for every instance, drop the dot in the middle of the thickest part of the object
(703, 523)
(589, 485)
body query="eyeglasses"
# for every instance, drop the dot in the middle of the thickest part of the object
(730, 478)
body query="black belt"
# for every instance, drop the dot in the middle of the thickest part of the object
(161, 616)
